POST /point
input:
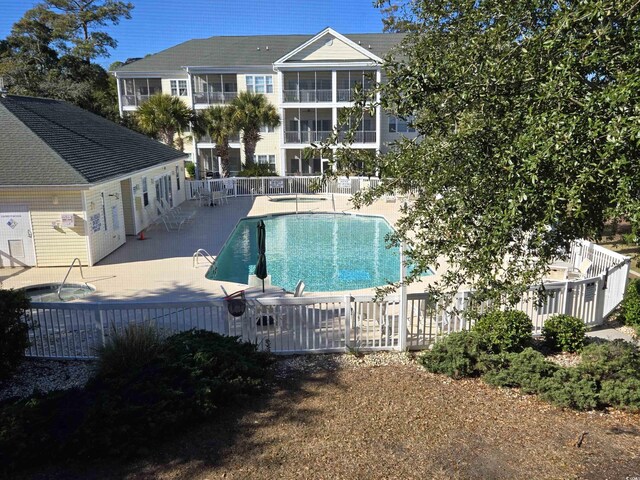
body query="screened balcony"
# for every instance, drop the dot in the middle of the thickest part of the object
(307, 125)
(307, 87)
(214, 89)
(365, 129)
(135, 91)
(347, 81)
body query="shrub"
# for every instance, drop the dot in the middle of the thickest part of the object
(14, 338)
(132, 348)
(257, 170)
(616, 360)
(504, 331)
(565, 333)
(122, 411)
(190, 167)
(524, 370)
(457, 355)
(631, 304)
(569, 388)
(624, 394)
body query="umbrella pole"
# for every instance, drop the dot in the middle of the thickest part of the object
(263, 285)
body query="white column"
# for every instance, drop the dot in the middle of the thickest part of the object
(334, 86)
(378, 115)
(119, 96)
(283, 162)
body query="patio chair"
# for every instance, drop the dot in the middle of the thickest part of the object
(172, 224)
(582, 271)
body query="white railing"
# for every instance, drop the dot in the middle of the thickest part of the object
(325, 324)
(249, 186)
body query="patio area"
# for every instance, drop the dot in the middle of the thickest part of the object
(160, 268)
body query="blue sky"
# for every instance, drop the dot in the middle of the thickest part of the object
(159, 24)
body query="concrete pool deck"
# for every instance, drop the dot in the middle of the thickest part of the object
(160, 267)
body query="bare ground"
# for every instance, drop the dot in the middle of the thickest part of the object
(340, 417)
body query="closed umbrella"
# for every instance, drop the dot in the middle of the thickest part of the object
(261, 265)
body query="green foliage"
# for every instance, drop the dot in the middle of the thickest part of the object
(125, 409)
(190, 167)
(250, 112)
(622, 394)
(49, 53)
(631, 304)
(257, 170)
(457, 355)
(504, 331)
(565, 333)
(616, 360)
(163, 116)
(524, 370)
(132, 348)
(14, 337)
(569, 388)
(218, 123)
(609, 375)
(527, 118)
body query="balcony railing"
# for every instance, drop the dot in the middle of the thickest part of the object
(207, 139)
(366, 136)
(212, 98)
(134, 100)
(346, 95)
(306, 136)
(301, 96)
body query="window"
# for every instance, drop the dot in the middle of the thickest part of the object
(179, 88)
(178, 177)
(266, 160)
(145, 192)
(260, 83)
(266, 129)
(400, 126)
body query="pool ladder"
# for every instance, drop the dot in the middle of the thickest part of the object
(67, 275)
(201, 252)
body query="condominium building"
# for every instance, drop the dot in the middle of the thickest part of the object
(308, 78)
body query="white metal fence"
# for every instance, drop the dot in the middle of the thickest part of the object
(247, 186)
(334, 323)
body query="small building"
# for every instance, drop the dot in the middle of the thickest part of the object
(74, 184)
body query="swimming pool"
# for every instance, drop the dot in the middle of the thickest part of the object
(328, 252)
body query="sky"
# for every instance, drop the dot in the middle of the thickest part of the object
(159, 24)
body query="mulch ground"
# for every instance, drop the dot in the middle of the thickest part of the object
(333, 418)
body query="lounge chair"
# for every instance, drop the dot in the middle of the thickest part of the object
(582, 271)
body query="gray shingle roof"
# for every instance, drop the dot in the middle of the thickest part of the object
(51, 142)
(243, 50)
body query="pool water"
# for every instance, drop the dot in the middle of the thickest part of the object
(328, 252)
(49, 292)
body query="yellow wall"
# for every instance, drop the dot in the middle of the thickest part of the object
(328, 48)
(54, 245)
(104, 235)
(145, 215)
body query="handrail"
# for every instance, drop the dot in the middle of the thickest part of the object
(67, 275)
(201, 252)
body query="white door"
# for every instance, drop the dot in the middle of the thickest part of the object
(16, 238)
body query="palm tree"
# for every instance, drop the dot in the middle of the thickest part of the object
(162, 116)
(217, 123)
(250, 111)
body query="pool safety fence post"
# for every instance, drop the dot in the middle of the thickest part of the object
(296, 203)
(402, 321)
(347, 322)
(100, 322)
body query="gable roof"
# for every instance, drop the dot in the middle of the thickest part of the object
(246, 51)
(51, 142)
(331, 32)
